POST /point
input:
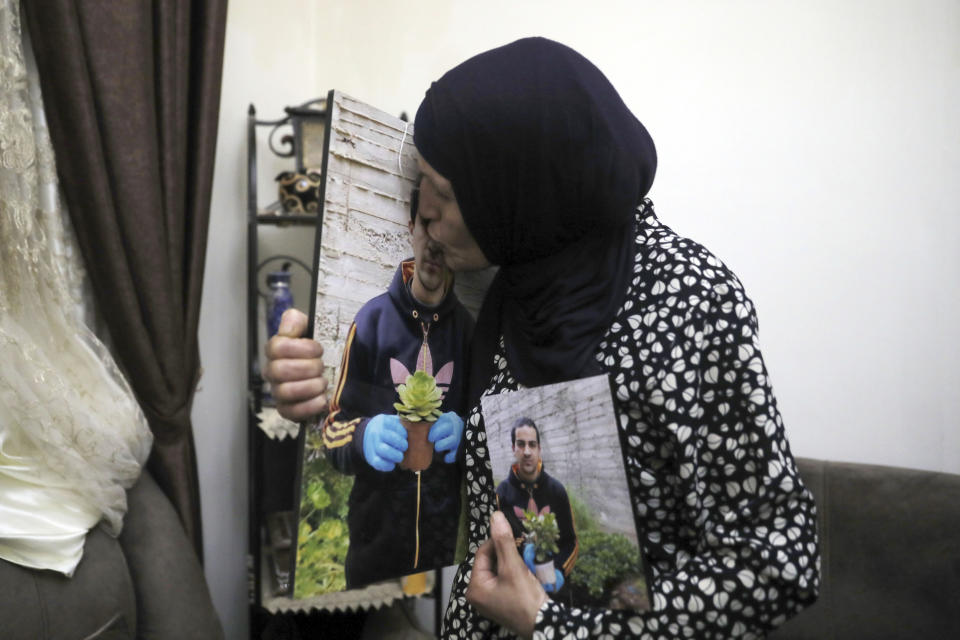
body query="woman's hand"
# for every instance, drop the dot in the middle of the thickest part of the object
(295, 369)
(501, 587)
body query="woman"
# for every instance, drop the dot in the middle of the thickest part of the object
(532, 162)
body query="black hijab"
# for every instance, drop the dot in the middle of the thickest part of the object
(548, 165)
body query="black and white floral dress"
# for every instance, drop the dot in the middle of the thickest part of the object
(727, 528)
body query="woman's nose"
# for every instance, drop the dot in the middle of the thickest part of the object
(427, 206)
(427, 213)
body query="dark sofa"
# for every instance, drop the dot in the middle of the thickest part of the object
(146, 585)
(890, 547)
(890, 554)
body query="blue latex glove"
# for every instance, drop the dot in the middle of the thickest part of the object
(445, 435)
(384, 442)
(529, 553)
(557, 584)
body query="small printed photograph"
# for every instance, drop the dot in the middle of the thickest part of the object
(561, 483)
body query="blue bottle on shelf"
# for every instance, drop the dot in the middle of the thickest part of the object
(279, 300)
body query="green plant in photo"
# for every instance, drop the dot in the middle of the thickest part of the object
(582, 514)
(420, 398)
(604, 560)
(542, 530)
(320, 556)
(322, 534)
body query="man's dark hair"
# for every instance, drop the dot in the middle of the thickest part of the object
(522, 422)
(415, 200)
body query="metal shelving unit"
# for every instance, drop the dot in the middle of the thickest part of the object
(271, 463)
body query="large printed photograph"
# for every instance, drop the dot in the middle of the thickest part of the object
(379, 489)
(560, 481)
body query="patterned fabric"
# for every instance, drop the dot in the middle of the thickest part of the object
(727, 528)
(72, 436)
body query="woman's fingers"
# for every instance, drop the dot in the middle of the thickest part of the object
(288, 345)
(280, 347)
(298, 391)
(292, 369)
(295, 370)
(484, 575)
(293, 323)
(305, 410)
(508, 560)
(500, 587)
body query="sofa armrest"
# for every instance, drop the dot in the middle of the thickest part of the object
(97, 602)
(890, 553)
(173, 601)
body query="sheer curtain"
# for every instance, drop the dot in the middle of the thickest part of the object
(72, 437)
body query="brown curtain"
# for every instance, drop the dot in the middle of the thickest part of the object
(132, 91)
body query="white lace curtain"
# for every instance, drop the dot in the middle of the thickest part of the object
(72, 437)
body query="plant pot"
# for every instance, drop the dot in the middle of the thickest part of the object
(419, 453)
(545, 572)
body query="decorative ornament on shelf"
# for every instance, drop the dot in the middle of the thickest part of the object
(276, 426)
(299, 191)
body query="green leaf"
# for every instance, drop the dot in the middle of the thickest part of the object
(323, 538)
(603, 560)
(543, 532)
(419, 397)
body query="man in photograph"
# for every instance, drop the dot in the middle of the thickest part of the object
(528, 481)
(401, 521)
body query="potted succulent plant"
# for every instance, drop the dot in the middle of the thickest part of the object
(419, 408)
(542, 530)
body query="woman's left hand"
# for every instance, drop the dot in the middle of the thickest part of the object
(501, 587)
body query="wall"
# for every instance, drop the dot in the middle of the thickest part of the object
(814, 146)
(269, 51)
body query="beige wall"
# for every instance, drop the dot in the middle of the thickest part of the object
(812, 145)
